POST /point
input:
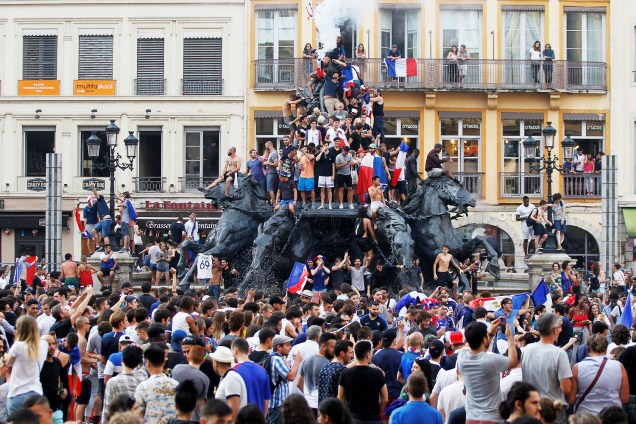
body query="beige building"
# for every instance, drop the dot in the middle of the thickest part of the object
(171, 72)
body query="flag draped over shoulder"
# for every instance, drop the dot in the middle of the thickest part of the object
(627, 317)
(541, 296)
(403, 67)
(399, 163)
(369, 167)
(494, 303)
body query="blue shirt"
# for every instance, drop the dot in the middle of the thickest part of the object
(319, 280)
(256, 383)
(416, 412)
(102, 207)
(501, 335)
(407, 363)
(90, 215)
(389, 361)
(279, 372)
(374, 324)
(257, 168)
(391, 54)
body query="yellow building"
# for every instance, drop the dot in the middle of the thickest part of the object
(503, 97)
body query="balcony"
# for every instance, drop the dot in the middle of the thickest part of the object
(582, 186)
(150, 87)
(202, 87)
(518, 184)
(149, 184)
(440, 75)
(471, 181)
(191, 183)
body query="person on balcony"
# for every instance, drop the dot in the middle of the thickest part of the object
(462, 57)
(588, 170)
(578, 166)
(548, 58)
(536, 58)
(453, 69)
(361, 56)
(309, 55)
(392, 54)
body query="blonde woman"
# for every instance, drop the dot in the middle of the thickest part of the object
(26, 357)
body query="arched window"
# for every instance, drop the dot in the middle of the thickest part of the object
(581, 246)
(505, 243)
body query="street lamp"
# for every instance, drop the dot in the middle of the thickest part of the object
(550, 164)
(93, 144)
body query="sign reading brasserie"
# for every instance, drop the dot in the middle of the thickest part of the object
(36, 184)
(97, 183)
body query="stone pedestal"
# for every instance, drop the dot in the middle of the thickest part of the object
(540, 265)
(123, 272)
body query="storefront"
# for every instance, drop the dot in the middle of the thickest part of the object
(587, 130)
(269, 126)
(402, 125)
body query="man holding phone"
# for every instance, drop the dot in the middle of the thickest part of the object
(510, 315)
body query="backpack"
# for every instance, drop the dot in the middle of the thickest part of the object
(359, 227)
(266, 363)
(594, 283)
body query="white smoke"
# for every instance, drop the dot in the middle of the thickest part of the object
(331, 14)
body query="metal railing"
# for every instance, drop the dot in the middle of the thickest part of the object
(149, 184)
(516, 184)
(582, 185)
(150, 87)
(191, 183)
(440, 74)
(471, 181)
(202, 87)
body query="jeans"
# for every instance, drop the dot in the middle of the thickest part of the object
(214, 291)
(378, 127)
(274, 415)
(16, 402)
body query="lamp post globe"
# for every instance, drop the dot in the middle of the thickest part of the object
(93, 144)
(131, 142)
(549, 134)
(112, 131)
(530, 146)
(568, 147)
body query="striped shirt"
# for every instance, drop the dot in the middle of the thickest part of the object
(279, 371)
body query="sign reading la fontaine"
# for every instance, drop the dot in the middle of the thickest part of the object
(178, 206)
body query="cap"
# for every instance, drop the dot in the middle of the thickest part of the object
(126, 339)
(284, 174)
(29, 290)
(130, 298)
(428, 339)
(279, 340)
(372, 146)
(223, 354)
(206, 297)
(456, 338)
(276, 300)
(177, 337)
(306, 293)
(389, 335)
(436, 348)
(126, 284)
(360, 151)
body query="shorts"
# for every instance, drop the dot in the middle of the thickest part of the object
(153, 267)
(125, 226)
(104, 227)
(435, 172)
(366, 244)
(106, 271)
(271, 182)
(325, 182)
(89, 227)
(85, 396)
(72, 281)
(305, 184)
(102, 387)
(344, 181)
(539, 230)
(445, 279)
(528, 232)
(286, 202)
(375, 205)
(163, 266)
(131, 231)
(226, 176)
(559, 227)
(401, 187)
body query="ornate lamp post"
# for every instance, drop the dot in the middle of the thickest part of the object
(115, 160)
(550, 164)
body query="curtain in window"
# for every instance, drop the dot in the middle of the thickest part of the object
(461, 27)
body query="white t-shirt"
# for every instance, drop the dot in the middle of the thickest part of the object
(313, 136)
(190, 232)
(619, 277)
(535, 55)
(179, 323)
(45, 324)
(332, 134)
(152, 254)
(451, 398)
(506, 383)
(25, 373)
(524, 211)
(232, 385)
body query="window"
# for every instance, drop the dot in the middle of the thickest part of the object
(276, 34)
(149, 169)
(37, 143)
(504, 242)
(349, 34)
(585, 42)
(517, 178)
(589, 135)
(202, 68)
(270, 129)
(461, 26)
(95, 57)
(150, 70)
(39, 57)
(582, 247)
(201, 157)
(405, 129)
(461, 138)
(400, 27)
(521, 30)
(89, 167)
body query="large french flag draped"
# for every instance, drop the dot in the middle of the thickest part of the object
(541, 296)
(494, 303)
(399, 163)
(401, 67)
(297, 278)
(369, 167)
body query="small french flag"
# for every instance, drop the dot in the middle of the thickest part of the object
(297, 278)
(401, 67)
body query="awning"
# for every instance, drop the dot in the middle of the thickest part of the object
(27, 219)
(158, 221)
(629, 215)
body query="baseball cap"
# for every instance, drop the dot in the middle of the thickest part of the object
(284, 174)
(360, 151)
(306, 293)
(29, 290)
(428, 339)
(372, 146)
(126, 284)
(126, 339)
(177, 337)
(223, 354)
(130, 298)
(436, 348)
(456, 338)
(279, 340)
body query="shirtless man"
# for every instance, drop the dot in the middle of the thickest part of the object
(69, 273)
(230, 171)
(442, 274)
(83, 327)
(214, 285)
(288, 116)
(377, 198)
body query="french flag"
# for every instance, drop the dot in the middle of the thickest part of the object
(297, 278)
(399, 163)
(369, 167)
(401, 67)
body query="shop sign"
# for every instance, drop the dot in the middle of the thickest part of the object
(152, 225)
(594, 127)
(36, 184)
(532, 127)
(178, 206)
(38, 88)
(409, 126)
(97, 183)
(42, 222)
(94, 87)
(471, 126)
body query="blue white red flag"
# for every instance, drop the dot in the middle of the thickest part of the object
(297, 278)
(401, 67)
(400, 163)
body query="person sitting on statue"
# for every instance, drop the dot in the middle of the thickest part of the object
(434, 165)
(230, 171)
(377, 198)
(287, 194)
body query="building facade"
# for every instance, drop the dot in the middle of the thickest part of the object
(171, 72)
(482, 122)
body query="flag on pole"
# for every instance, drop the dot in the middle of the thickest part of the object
(78, 219)
(297, 278)
(369, 167)
(541, 296)
(400, 163)
(401, 67)
(627, 317)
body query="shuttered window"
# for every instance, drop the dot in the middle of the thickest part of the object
(202, 69)
(39, 57)
(95, 57)
(150, 77)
